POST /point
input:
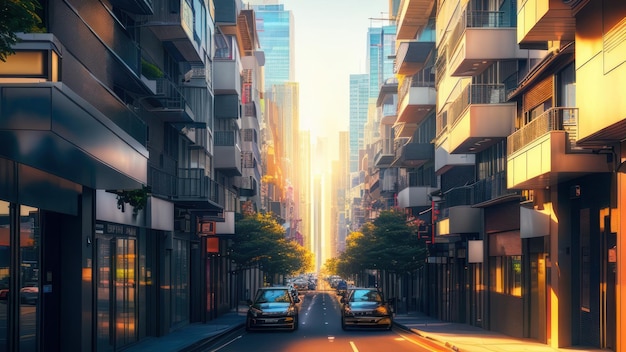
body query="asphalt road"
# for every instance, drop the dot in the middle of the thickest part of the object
(320, 331)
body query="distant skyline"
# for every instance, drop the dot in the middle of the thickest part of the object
(330, 44)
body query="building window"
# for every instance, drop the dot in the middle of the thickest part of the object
(506, 275)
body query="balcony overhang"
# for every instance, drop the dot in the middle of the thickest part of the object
(479, 48)
(540, 21)
(388, 88)
(445, 161)
(413, 15)
(404, 129)
(49, 127)
(412, 197)
(383, 160)
(411, 56)
(546, 162)
(413, 155)
(481, 126)
(417, 104)
(174, 27)
(461, 219)
(243, 29)
(228, 159)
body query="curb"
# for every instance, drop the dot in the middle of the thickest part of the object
(199, 345)
(432, 341)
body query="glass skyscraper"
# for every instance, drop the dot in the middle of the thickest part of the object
(275, 29)
(359, 100)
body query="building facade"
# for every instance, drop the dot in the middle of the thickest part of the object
(126, 192)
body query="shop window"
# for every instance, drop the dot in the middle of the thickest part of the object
(506, 275)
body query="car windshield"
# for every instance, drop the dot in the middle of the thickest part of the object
(365, 296)
(273, 296)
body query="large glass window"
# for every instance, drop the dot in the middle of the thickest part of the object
(5, 259)
(29, 239)
(506, 274)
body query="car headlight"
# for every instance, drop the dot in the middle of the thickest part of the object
(381, 310)
(255, 312)
(347, 311)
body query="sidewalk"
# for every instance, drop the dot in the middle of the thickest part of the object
(192, 336)
(457, 337)
(463, 337)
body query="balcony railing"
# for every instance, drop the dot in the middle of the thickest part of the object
(476, 94)
(225, 138)
(489, 188)
(424, 78)
(554, 119)
(477, 19)
(440, 65)
(169, 95)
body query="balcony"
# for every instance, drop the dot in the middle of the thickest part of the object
(196, 190)
(382, 160)
(540, 21)
(234, 21)
(411, 56)
(173, 23)
(227, 153)
(169, 104)
(227, 107)
(413, 16)
(413, 155)
(445, 161)
(481, 38)
(417, 97)
(544, 152)
(226, 76)
(248, 186)
(460, 219)
(415, 196)
(479, 118)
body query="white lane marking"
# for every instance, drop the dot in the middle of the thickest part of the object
(331, 339)
(353, 347)
(227, 343)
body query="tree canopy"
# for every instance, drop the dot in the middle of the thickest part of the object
(260, 241)
(387, 243)
(16, 16)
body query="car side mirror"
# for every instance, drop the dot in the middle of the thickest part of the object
(249, 302)
(297, 300)
(343, 300)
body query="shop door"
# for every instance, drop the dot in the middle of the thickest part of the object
(116, 293)
(537, 321)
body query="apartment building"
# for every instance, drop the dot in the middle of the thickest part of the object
(528, 163)
(121, 163)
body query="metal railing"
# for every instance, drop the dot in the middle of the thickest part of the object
(554, 119)
(490, 188)
(475, 94)
(477, 19)
(423, 78)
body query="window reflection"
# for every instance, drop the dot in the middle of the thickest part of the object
(5, 241)
(29, 277)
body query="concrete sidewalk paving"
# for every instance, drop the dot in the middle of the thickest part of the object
(467, 338)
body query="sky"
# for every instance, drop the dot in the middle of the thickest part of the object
(330, 44)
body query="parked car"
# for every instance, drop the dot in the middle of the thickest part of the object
(342, 287)
(365, 308)
(273, 308)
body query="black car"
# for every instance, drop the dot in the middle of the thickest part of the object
(365, 308)
(273, 308)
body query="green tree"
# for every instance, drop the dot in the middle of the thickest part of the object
(387, 243)
(16, 16)
(260, 241)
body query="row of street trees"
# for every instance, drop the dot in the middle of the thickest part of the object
(389, 244)
(260, 241)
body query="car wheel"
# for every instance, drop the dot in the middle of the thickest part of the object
(343, 325)
(248, 324)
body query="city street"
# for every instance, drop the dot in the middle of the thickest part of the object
(320, 330)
